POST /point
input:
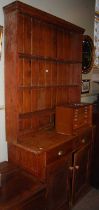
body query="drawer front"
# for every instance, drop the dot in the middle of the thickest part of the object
(81, 117)
(59, 151)
(84, 138)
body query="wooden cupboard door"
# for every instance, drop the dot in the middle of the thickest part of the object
(81, 171)
(58, 184)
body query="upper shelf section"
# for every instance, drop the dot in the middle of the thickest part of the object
(43, 63)
(41, 40)
(44, 16)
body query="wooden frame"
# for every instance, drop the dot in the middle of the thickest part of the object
(87, 54)
(85, 86)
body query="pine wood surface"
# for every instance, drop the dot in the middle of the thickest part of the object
(20, 190)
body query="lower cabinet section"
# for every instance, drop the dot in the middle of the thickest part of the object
(58, 187)
(65, 168)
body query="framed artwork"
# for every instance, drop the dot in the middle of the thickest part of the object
(85, 86)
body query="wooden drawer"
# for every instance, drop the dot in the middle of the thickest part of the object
(84, 138)
(59, 151)
(72, 117)
(36, 163)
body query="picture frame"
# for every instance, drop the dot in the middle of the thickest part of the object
(85, 86)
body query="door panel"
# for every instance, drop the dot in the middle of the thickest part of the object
(80, 176)
(58, 184)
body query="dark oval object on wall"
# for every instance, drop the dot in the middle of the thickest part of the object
(87, 54)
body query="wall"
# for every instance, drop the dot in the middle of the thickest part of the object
(93, 76)
(79, 12)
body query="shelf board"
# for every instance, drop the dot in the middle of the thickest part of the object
(41, 112)
(50, 59)
(47, 86)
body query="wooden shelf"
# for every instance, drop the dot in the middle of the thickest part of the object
(48, 86)
(46, 66)
(49, 59)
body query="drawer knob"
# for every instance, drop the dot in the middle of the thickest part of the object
(60, 153)
(71, 168)
(77, 167)
(83, 141)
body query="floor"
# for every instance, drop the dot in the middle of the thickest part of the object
(89, 202)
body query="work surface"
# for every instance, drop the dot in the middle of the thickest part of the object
(44, 140)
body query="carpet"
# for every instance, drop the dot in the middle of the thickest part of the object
(89, 202)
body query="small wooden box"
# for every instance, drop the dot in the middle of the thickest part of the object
(71, 117)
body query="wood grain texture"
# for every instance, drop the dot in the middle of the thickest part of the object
(20, 190)
(42, 69)
(43, 65)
